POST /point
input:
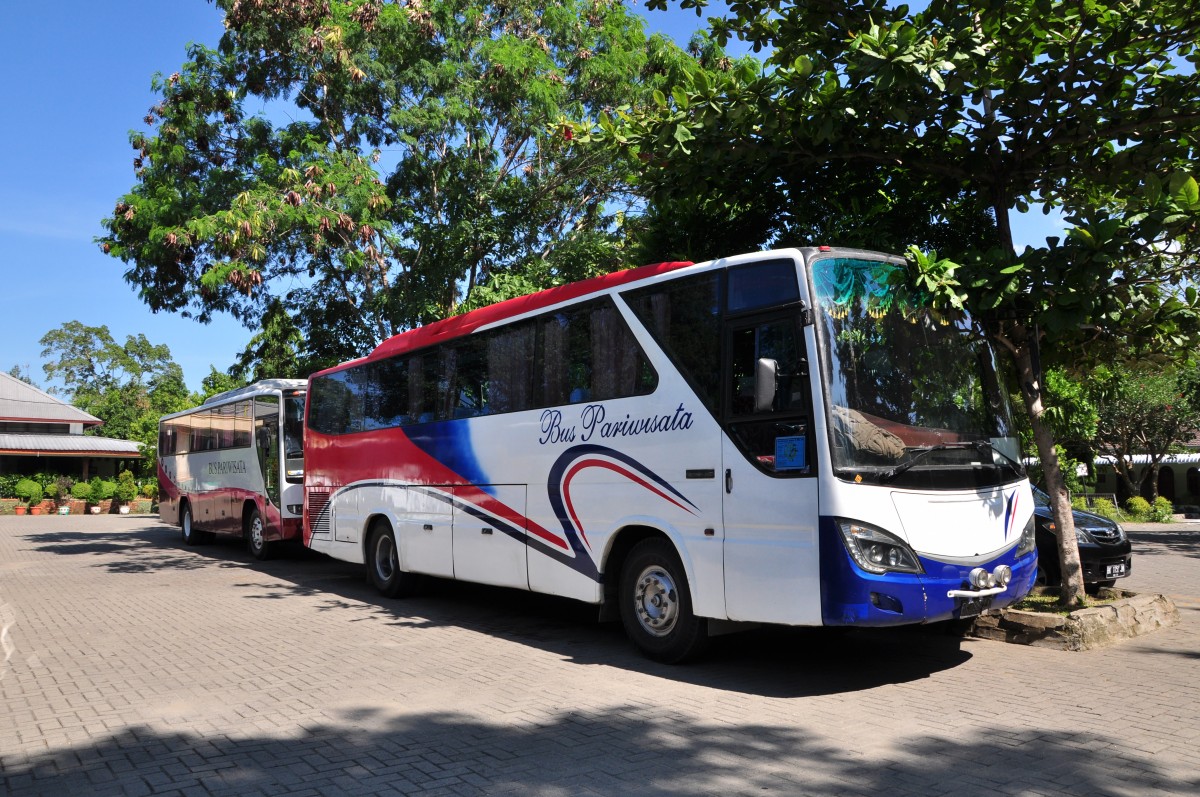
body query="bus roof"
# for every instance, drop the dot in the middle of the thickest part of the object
(459, 325)
(259, 387)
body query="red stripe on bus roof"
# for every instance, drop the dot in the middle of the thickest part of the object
(459, 325)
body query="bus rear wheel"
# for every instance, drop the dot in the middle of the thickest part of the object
(256, 541)
(656, 605)
(383, 564)
(191, 535)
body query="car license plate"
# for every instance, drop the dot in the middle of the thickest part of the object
(973, 607)
(1115, 571)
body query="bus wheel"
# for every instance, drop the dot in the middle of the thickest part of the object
(656, 607)
(256, 541)
(383, 564)
(191, 535)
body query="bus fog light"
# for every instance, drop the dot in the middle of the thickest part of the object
(1003, 575)
(979, 578)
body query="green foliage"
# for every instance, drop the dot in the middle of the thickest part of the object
(101, 489)
(1142, 411)
(150, 490)
(82, 491)
(1138, 508)
(60, 489)
(1106, 508)
(1162, 511)
(126, 488)
(1069, 468)
(127, 386)
(425, 153)
(28, 491)
(1080, 503)
(8, 482)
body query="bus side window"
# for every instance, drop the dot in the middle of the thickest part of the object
(774, 436)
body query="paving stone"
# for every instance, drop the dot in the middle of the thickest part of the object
(143, 667)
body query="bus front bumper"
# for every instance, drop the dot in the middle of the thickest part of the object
(850, 596)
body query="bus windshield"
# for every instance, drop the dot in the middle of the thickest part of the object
(915, 398)
(293, 437)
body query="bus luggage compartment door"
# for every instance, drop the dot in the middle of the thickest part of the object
(490, 549)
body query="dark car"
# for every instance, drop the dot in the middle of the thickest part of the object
(1104, 549)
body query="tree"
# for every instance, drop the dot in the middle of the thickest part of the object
(18, 372)
(127, 386)
(950, 118)
(1142, 412)
(418, 159)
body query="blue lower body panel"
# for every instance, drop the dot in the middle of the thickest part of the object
(852, 596)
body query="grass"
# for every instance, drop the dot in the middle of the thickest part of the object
(1045, 601)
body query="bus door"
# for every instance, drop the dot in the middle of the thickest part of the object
(266, 445)
(772, 571)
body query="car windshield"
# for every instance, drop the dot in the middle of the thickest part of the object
(915, 398)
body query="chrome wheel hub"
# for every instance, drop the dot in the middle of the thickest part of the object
(655, 601)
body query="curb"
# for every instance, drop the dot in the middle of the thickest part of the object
(1129, 615)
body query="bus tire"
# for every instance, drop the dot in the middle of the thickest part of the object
(256, 541)
(656, 604)
(191, 535)
(383, 563)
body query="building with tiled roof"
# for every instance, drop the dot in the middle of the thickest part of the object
(39, 433)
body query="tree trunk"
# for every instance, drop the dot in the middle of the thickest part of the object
(1060, 502)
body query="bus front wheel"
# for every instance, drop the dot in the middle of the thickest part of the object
(383, 564)
(656, 606)
(256, 541)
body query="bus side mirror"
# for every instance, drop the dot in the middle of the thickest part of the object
(765, 379)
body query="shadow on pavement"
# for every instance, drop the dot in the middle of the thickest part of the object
(621, 751)
(1173, 543)
(768, 661)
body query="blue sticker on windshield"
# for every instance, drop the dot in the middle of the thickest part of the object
(789, 453)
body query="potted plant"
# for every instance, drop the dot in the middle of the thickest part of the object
(62, 493)
(126, 491)
(82, 491)
(31, 493)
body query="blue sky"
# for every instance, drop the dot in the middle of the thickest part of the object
(77, 80)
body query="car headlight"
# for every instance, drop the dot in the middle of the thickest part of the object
(1082, 537)
(1120, 532)
(876, 551)
(1028, 538)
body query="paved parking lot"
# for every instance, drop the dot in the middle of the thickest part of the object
(135, 665)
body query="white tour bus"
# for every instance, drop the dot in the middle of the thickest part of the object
(235, 465)
(778, 437)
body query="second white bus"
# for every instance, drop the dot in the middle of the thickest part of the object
(235, 465)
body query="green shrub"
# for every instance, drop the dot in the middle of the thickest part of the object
(29, 491)
(1138, 508)
(1079, 502)
(150, 490)
(1162, 511)
(126, 488)
(102, 490)
(7, 484)
(82, 491)
(1105, 508)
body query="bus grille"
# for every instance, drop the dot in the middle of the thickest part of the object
(318, 512)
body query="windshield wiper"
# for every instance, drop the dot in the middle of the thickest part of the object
(985, 445)
(889, 475)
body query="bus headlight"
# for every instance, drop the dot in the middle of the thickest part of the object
(875, 550)
(1028, 538)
